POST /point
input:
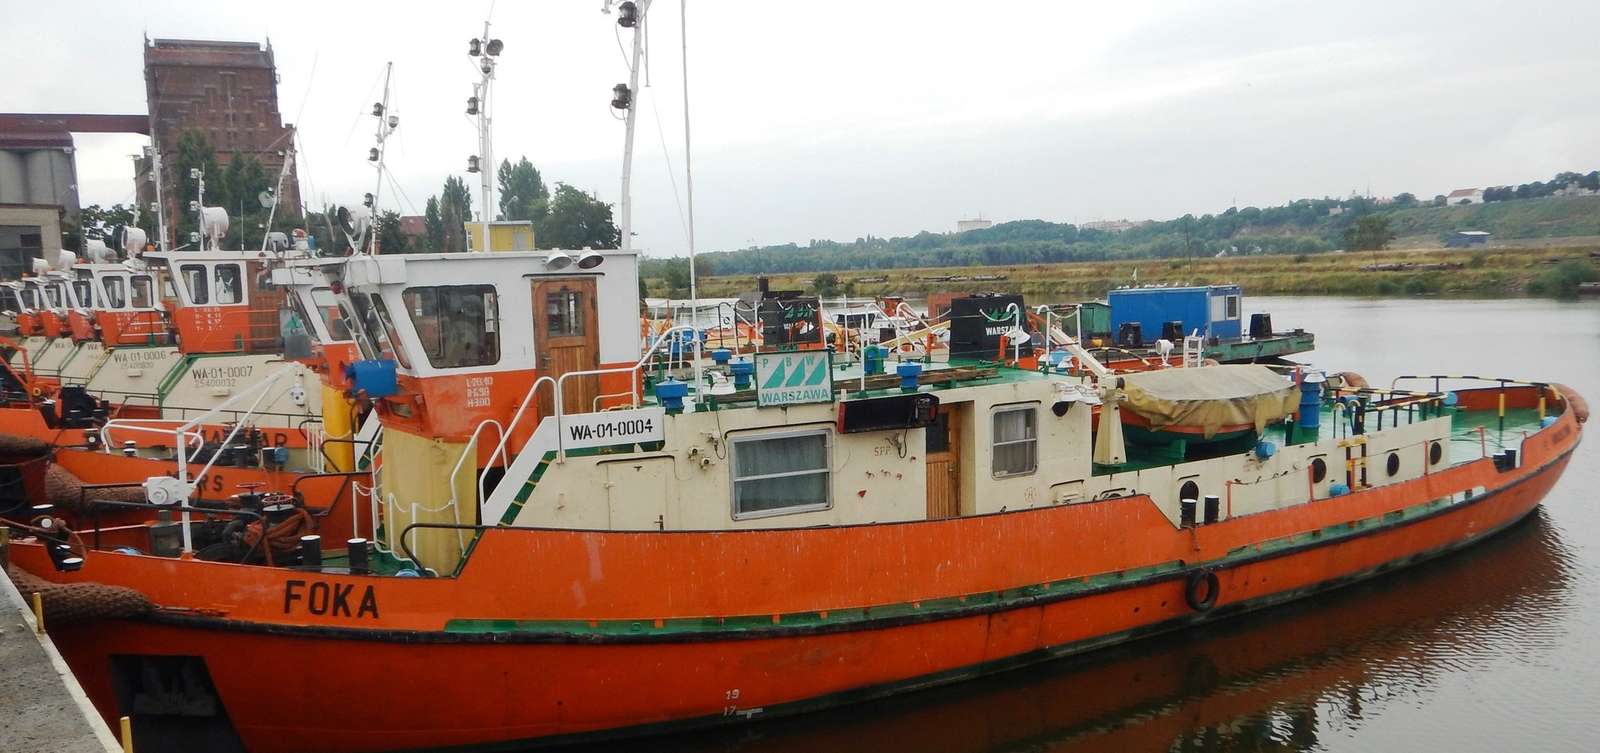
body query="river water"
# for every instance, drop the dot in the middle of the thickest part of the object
(1496, 648)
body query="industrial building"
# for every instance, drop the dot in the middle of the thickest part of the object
(227, 91)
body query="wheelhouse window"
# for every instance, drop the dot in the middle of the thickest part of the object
(230, 287)
(9, 300)
(377, 322)
(82, 290)
(456, 324)
(116, 292)
(781, 474)
(1016, 441)
(52, 295)
(328, 311)
(142, 288)
(197, 282)
(564, 313)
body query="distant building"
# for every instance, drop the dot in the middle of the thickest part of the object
(1464, 196)
(963, 226)
(1335, 211)
(1109, 226)
(415, 228)
(28, 232)
(229, 92)
(1467, 239)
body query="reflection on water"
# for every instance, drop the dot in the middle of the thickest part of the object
(1490, 649)
(1278, 680)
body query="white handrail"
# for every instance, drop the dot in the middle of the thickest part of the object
(470, 449)
(561, 452)
(128, 424)
(183, 464)
(516, 418)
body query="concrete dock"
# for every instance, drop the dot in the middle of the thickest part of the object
(42, 707)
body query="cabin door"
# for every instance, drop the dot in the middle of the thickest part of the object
(943, 455)
(566, 339)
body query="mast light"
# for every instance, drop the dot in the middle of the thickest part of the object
(621, 97)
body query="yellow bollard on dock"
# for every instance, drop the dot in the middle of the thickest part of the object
(127, 734)
(38, 613)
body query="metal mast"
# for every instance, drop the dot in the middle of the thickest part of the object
(487, 51)
(386, 125)
(630, 15)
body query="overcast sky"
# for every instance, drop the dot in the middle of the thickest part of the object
(840, 118)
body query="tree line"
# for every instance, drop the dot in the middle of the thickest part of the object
(1299, 227)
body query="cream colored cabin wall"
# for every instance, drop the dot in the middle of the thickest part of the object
(871, 482)
(1282, 481)
(48, 360)
(1064, 450)
(221, 377)
(134, 371)
(85, 360)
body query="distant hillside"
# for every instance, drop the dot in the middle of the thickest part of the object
(1301, 227)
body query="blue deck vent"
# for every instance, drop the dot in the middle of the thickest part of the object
(742, 371)
(671, 393)
(1311, 400)
(721, 356)
(909, 373)
(872, 359)
(374, 377)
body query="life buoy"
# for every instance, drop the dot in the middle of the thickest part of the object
(1201, 590)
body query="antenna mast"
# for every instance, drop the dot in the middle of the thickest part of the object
(630, 15)
(487, 51)
(386, 125)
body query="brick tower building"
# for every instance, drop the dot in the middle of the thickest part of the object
(227, 90)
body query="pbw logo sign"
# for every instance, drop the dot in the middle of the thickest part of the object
(793, 378)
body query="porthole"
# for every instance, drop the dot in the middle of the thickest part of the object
(1393, 464)
(1189, 490)
(1319, 470)
(1435, 453)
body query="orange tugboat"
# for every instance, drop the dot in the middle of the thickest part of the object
(784, 540)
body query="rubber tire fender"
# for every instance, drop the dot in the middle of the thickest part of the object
(1201, 589)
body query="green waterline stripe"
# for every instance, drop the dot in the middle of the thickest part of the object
(933, 608)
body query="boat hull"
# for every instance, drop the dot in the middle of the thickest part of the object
(303, 686)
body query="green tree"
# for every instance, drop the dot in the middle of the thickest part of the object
(239, 190)
(455, 208)
(577, 220)
(433, 224)
(1370, 233)
(676, 274)
(523, 195)
(194, 150)
(96, 223)
(826, 284)
(390, 239)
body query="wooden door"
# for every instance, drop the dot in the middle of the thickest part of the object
(943, 455)
(566, 339)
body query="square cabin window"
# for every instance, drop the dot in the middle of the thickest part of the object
(457, 324)
(142, 289)
(230, 286)
(116, 295)
(1016, 441)
(781, 474)
(198, 283)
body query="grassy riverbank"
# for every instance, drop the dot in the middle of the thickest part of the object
(1495, 272)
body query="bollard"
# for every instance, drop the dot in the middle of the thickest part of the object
(38, 613)
(356, 551)
(126, 723)
(1213, 508)
(311, 552)
(1186, 513)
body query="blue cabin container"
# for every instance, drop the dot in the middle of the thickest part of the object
(1214, 310)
